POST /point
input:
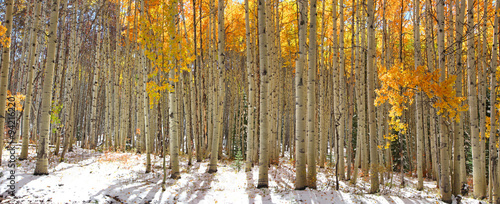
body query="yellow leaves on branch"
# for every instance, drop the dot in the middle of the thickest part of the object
(4, 40)
(18, 98)
(399, 86)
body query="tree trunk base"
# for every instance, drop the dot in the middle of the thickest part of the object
(175, 176)
(262, 186)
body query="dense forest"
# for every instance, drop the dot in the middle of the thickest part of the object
(370, 90)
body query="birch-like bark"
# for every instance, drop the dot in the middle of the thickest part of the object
(264, 81)
(300, 122)
(418, 97)
(251, 94)
(374, 184)
(494, 187)
(43, 150)
(29, 87)
(311, 99)
(5, 68)
(478, 185)
(444, 159)
(459, 153)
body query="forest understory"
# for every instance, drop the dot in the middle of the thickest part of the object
(89, 176)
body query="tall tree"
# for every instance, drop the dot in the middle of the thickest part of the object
(5, 67)
(478, 185)
(311, 100)
(444, 159)
(418, 97)
(374, 184)
(264, 81)
(300, 122)
(29, 93)
(250, 92)
(43, 146)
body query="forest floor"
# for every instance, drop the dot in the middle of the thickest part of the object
(95, 177)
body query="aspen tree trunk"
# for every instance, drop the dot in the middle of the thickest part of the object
(71, 81)
(210, 84)
(264, 81)
(93, 113)
(323, 94)
(444, 159)
(220, 91)
(478, 184)
(300, 122)
(494, 187)
(374, 184)
(173, 115)
(271, 116)
(5, 68)
(335, 96)
(29, 87)
(42, 154)
(359, 103)
(311, 100)
(342, 95)
(251, 94)
(350, 91)
(459, 156)
(115, 78)
(364, 147)
(430, 64)
(418, 97)
(482, 84)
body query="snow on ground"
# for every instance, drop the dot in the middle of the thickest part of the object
(94, 177)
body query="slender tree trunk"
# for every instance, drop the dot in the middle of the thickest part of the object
(418, 97)
(311, 100)
(249, 64)
(5, 68)
(42, 154)
(478, 185)
(374, 184)
(444, 159)
(494, 190)
(264, 81)
(29, 87)
(300, 131)
(459, 156)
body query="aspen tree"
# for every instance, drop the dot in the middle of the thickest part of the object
(42, 153)
(430, 63)
(219, 93)
(478, 185)
(351, 102)
(300, 122)
(251, 94)
(418, 102)
(116, 81)
(5, 67)
(29, 87)
(459, 156)
(444, 160)
(323, 118)
(93, 113)
(173, 129)
(71, 81)
(342, 94)
(264, 81)
(335, 82)
(359, 104)
(311, 100)
(374, 184)
(494, 187)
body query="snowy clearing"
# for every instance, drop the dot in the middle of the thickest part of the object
(94, 177)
